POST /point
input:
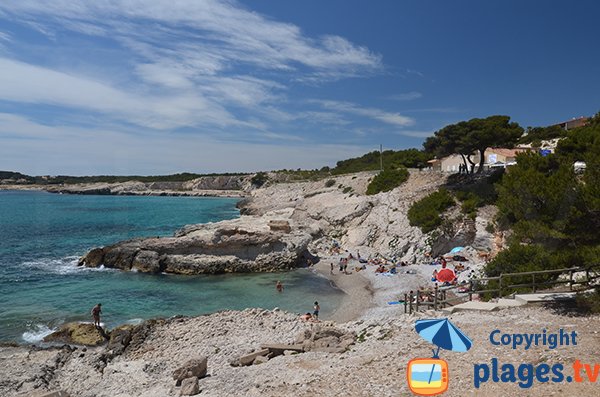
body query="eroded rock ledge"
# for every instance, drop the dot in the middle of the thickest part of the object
(248, 244)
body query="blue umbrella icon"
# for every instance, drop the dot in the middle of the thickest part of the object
(443, 334)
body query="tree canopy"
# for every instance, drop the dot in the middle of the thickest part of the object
(476, 135)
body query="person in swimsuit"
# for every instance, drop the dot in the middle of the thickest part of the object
(316, 311)
(279, 286)
(96, 310)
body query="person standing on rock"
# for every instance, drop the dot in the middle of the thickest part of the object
(96, 310)
(331, 271)
(316, 311)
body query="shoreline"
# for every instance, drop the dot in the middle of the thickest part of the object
(157, 193)
(358, 291)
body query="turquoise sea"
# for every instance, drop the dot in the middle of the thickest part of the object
(42, 235)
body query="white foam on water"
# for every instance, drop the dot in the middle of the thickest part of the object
(62, 266)
(36, 335)
(134, 321)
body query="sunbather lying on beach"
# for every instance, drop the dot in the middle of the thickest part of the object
(307, 317)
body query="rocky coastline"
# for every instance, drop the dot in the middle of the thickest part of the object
(208, 186)
(362, 349)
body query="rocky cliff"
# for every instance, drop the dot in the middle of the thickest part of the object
(282, 223)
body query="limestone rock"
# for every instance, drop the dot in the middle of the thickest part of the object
(196, 367)
(329, 339)
(189, 387)
(146, 262)
(246, 244)
(249, 358)
(94, 258)
(78, 334)
(56, 393)
(120, 338)
(260, 360)
(280, 226)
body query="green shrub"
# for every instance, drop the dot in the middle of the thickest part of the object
(330, 183)
(519, 258)
(588, 303)
(426, 212)
(387, 180)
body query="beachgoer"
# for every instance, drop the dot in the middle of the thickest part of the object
(434, 275)
(358, 255)
(306, 317)
(341, 265)
(309, 262)
(96, 310)
(331, 271)
(279, 286)
(317, 308)
(346, 267)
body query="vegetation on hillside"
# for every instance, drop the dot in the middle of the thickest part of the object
(409, 158)
(387, 180)
(426, 213)
(535, 135)
(475, 135)
(551, 210)
(64, 179)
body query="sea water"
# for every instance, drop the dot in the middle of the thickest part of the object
(42, 236)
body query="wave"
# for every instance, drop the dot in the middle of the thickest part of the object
(36, 335)
(62, 266)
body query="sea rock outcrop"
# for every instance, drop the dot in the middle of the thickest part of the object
(247, 244)
(78, 334)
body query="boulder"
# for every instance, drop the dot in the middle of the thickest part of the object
(120, 257)
(94, 258)
(196, 367)
(248, 359)
(146, 262)
(120, 338)
(78, 334)
(329, 339)
(260, 360)
(189, 387)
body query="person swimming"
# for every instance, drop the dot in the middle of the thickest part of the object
(279, 286)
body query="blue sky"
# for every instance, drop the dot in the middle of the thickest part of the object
(155, 87)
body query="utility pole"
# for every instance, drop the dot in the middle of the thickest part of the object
(380, 157)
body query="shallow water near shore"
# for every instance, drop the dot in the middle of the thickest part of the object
(44, 234)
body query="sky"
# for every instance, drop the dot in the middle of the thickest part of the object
(150, 87)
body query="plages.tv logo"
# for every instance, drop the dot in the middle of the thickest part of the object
(429, 376)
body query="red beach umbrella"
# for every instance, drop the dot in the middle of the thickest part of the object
(445, 275)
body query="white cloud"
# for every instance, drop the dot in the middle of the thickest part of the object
(219, 30)
(414, 134)
(101, 151)
(406, 96)
(395, 119)
(21, 82)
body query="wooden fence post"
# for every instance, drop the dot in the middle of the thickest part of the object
(533, 282)
(500, 286)
(435, 297)
(418, 295)
(571, 280)
(405, 303)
